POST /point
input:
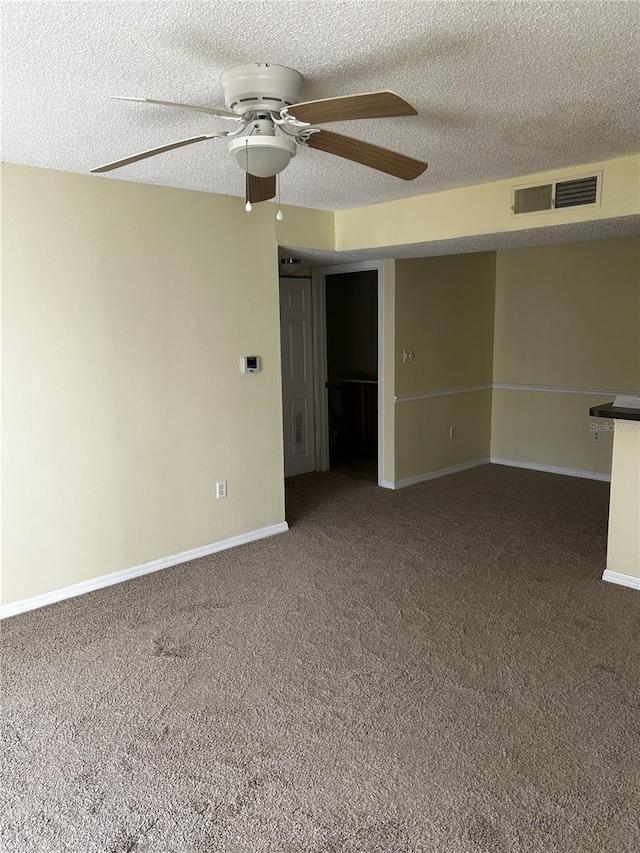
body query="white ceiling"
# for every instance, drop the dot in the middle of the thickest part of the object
(502, 89)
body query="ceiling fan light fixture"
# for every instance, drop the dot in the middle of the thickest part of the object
(262, 156)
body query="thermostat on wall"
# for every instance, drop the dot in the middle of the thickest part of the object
(251, 364)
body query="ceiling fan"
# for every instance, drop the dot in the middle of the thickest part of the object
(262, 100)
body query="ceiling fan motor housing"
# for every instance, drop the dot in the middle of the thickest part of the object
(260, 88)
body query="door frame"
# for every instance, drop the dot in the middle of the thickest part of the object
(319, 341)
(310, 398)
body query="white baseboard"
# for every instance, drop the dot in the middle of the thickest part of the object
(495, 460)
(75, 589)
(622, 580)
(432, 475)
(551, 469)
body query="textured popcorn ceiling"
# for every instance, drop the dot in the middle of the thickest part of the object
(502, 89)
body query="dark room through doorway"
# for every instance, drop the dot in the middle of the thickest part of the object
(352, 371)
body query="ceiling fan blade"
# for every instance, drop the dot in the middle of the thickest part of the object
(347, 107)
(260, 189)
(211, 110)
(382, 159)
(153, 151)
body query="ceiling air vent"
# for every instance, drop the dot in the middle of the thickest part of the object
(581, 191)
(547, 197)
(530, 199)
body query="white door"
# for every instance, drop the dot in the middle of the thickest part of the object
(297, 376)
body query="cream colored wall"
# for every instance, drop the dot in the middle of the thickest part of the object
(126, 309)
(444, 311)
(547, 428)
(623, 548)
(302, 227)
(569, 314)
(483, 209)
(422, 433)
(566, 316)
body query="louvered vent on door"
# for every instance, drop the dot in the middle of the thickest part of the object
(573, 193)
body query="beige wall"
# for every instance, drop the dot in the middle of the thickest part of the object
(569, 314)
(126, 309)
(445, 312)
(302, 227)
(623, 548)
(422, 433)
(566, 316)
(548, 428)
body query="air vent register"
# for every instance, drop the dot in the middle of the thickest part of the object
(554, 196)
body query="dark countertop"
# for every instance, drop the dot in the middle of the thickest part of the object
(608, 410)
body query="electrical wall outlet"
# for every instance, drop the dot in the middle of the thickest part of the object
(452, 432)
(221, 489)
(597, 437)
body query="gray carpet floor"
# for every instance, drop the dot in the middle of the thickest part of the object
(434, 670)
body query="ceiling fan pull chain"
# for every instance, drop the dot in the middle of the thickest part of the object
(279, 214)
(247, 206)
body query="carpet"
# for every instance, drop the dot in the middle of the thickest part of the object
(434, 670)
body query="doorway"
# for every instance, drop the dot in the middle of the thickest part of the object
(351, 323)
(349, 326)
